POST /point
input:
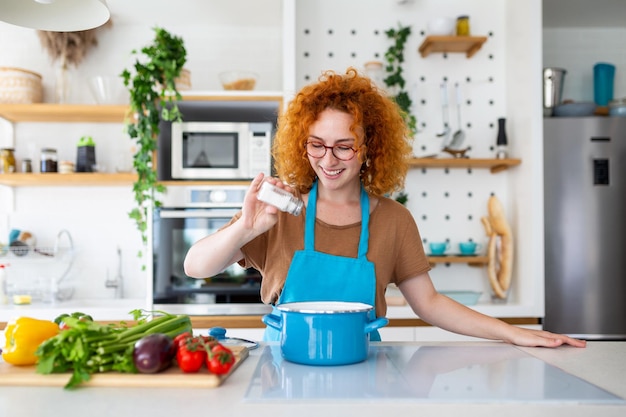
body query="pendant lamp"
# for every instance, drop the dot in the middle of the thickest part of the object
(55, 15)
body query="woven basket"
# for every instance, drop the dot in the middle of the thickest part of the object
(20, 86)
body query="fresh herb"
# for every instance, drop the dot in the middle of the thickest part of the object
(87, 347)
(394, 57)
(402, 197)
(153, 96)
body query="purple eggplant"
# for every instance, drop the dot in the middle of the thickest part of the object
(153, 353)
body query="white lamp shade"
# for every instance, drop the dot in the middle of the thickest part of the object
(55, 15)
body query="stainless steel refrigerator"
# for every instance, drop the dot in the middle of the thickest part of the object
(585, 226)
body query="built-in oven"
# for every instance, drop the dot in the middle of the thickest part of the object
(189, 213)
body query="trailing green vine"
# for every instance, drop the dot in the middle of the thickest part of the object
(153, 96)
(394, 57)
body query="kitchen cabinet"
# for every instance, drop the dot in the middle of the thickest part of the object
(468, 45)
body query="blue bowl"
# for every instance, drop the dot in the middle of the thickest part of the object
(581, 109)
(468, 298)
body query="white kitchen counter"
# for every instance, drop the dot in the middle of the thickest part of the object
(99, 309)
(118, 309)
(601, 364)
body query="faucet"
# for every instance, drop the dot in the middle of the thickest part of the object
(118, 281)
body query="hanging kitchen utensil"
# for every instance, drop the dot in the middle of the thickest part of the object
(454, 147)
(445, 134)
(459, 136)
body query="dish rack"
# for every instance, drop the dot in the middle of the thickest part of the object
(40, 272)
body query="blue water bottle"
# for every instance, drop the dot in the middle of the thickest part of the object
(603, 76)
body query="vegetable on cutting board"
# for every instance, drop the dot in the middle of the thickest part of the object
(153, 353)
(86, 347)
(193, 352)
(220, 359)
(23, 335)
(190, 354)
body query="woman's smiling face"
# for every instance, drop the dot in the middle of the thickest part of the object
(332, 128)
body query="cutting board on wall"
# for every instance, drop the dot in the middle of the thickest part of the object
(173, 377)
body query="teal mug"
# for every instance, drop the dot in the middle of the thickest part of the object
(438, 248)
(469, 248)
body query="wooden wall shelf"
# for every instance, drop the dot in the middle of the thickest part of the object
(457, 259)
(20, 179)
(48, 112)
(494, 165)
(92, 113)
(70, 180)
(468, 45)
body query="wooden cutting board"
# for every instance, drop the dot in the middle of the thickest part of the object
(173, 377)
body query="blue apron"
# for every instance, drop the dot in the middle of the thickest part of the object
(318, 276)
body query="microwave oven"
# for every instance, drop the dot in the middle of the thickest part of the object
(220, 150)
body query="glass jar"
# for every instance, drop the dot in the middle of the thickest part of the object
(462, 26)
(27, 165)
(7, 161)
(48, 160)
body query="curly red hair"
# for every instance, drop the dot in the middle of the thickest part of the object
(387, 140)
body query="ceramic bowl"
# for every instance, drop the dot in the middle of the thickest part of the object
(468, 298)
(441, 26)
(108, 90)
(238, 80)
(617, 108)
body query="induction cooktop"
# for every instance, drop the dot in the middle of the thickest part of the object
(472, 374)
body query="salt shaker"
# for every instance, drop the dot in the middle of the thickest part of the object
(280, 199)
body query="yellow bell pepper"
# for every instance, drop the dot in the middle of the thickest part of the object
(23, 335)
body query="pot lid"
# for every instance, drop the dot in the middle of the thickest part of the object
(324, 307)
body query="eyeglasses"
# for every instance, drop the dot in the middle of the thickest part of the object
(341, 152)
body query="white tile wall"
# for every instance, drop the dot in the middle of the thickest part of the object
(578, 50)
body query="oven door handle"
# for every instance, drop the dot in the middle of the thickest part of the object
(204, 214)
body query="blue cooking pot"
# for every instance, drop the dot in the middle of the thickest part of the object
(324, 332)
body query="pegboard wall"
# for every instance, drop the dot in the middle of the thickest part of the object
(447, 204)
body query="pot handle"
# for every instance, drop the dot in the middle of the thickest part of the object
(376, 324)
(273, 320)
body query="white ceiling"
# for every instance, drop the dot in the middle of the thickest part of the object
(584, 13)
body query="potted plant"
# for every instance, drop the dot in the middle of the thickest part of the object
(394, 58)
(153, 96)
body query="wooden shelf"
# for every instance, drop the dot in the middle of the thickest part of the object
(494, 165)
(46, 112)
(182, 183)
(468, 45)
(71, 180)
(93, 179)
(457, 259)
(92, 113)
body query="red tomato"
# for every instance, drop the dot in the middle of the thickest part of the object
(210, 341)
(220, 362)
(181, 339)
(218, 347)
(190, 355)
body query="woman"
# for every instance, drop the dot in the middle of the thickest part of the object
(342, 146)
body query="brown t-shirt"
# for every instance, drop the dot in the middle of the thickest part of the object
(395, 248)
